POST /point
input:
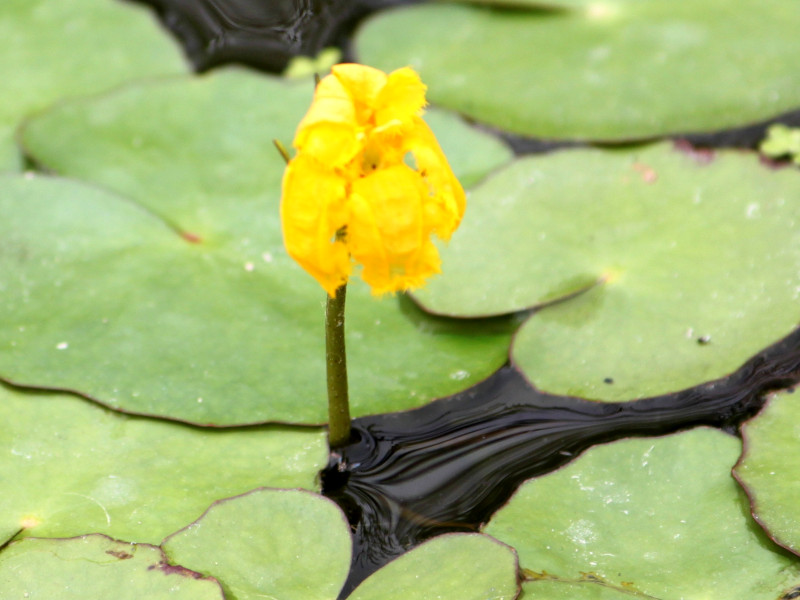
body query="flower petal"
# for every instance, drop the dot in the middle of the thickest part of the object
(363, 84)
(354, 173)
(313, 209)
(386, 232)
(446, 202)
(401, 99)
(330, 132)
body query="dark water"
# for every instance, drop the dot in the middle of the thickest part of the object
(264, 34)
(449, 465)
(748, 136)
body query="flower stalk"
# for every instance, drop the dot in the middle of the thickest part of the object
(335, 356)
(336, 363)
(368, 188)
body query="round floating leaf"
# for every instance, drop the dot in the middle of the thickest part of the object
(769, 469)
(95, 566)
(658, 517)
(698, 258)
(102, 297)
(236, 318)
(54, 50)
(71, 468)
(461, 566)
(280, 544)
(615, 71)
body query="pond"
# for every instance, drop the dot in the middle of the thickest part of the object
(593, 400)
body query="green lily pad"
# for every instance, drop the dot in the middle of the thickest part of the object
(70, 468)
(54, 50)
(279, 544)
(698, 259)
(656, 518)
(286, 544)
(104, 298)
(460, 566)
(769, 469)
(616, 71)
(95, 566)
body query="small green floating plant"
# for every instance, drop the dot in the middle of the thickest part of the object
(782, 141)
(369, 186)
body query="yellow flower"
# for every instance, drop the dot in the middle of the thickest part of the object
(369, 184)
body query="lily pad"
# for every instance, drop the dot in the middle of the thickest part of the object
(104, 298)
(95, 566)
(657, 518)
(462, 566)
(619, 70)
(54, 50)
(693, 263)
(70, 468)
(769, 469)
(279, 544)
(286, 544)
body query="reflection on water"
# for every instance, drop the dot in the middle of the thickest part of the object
(264, 34)
(449, 465)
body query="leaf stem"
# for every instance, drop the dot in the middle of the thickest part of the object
(336, 361)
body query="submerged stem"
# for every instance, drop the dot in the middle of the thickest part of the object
(336, 361)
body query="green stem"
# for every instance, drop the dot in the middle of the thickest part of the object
(282, 150)
(336, 359)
